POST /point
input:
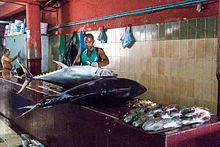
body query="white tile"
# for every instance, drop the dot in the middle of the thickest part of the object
(139, 33)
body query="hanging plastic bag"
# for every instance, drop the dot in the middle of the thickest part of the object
(102, 36)
(127, 39)
(81, 42)
(62, 47)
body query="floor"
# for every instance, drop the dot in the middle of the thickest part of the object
(8, 137)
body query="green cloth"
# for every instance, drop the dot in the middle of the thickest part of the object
(93, 58)
(62, 47)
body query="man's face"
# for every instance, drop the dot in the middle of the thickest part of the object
(7, 53)
(89, 42)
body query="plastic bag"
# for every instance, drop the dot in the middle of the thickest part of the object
(102, 36)
(127, 39)
(62, 47)
(81, 42)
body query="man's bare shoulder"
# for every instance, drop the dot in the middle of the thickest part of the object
(100, 50)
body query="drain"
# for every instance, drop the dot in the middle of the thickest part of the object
(1, 140)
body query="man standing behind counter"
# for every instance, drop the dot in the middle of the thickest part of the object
(91, 55)
(6, 60)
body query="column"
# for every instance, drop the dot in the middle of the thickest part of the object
(33, 38)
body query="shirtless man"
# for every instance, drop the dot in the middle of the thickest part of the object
(6, 60)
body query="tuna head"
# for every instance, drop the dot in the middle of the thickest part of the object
(123, 87)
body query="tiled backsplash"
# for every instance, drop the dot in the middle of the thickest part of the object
(176, 61)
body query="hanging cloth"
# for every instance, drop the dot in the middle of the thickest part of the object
(62, 47)
(72, 49)
(81, 42)
(127, 39)
(102, 36)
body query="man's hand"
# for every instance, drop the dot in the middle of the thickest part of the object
(94, 64)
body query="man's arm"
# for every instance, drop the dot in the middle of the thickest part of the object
(11, 59)
(104, 58)
(77, 61)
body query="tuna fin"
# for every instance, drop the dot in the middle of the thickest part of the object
(28, 77)
(25, 84)
(61, 64)
(31, 107)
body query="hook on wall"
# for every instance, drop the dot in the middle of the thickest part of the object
(199, 7)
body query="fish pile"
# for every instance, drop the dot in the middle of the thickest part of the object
(153, 117)
(28, 142)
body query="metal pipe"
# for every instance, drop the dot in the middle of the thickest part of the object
(149, 9)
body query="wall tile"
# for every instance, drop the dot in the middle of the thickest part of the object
(162, 47)
(190, 68)
(176, 30)
(148, 66)
(200, 28)
(155, 48)
(200, 47)
(154, 66)
(139, 33)
(191, 30)
(155, 31)
(210, 27)
(168, 31)
(168, 48)
(148, 33)
(175, 49)
(162, 31)
(191, 48)
(183, 48)
(183, 29)
(209, 48)
(167, 70)
(190, 85)
(161, 67)
(147, 49)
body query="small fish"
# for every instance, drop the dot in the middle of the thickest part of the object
(175, 114)
(172, 123)
(170, 108)
(192, 120)
(140, 118)
(128, 117)
(152, 124)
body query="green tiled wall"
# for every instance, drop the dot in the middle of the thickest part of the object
(196, 28)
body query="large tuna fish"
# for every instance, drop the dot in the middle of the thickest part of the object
(101, 89)
(68, 77)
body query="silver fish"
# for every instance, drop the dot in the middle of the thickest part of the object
(128, 117)
(152, 125)
(68, 77)
(140, 118)
(192, 120)
(172, 123)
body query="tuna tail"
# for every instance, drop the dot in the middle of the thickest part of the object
(31, 107)
(28, 77)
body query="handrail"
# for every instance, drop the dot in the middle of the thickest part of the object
(149, 9)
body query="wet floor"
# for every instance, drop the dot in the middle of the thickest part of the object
(8, 137)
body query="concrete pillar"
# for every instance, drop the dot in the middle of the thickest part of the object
(33, 38)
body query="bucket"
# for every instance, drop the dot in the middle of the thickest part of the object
(43, 28)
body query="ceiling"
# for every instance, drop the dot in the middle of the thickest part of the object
(45, 5)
